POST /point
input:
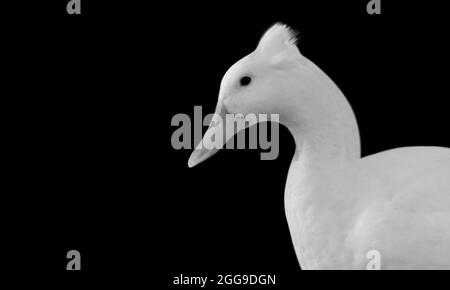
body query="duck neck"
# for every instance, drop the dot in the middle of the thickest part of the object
(325, 132)
(332, 138)
(323, 123)
(327, 146)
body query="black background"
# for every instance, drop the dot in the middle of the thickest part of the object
(91, 98)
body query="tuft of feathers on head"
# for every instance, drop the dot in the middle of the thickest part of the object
(278, 37)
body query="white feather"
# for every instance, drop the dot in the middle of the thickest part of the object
(277, 38)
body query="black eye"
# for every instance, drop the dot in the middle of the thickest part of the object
(245, 81)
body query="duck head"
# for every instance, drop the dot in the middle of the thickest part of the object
(267, 81)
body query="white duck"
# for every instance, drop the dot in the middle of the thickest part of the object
(340, 206)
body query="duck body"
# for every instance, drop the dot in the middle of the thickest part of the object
(395, 202)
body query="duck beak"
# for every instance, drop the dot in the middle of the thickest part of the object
(217, 128)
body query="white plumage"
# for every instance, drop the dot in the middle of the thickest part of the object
(340, 206)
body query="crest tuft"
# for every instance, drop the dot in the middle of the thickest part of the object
(278, 36)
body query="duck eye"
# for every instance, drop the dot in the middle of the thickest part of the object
(245, 81)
